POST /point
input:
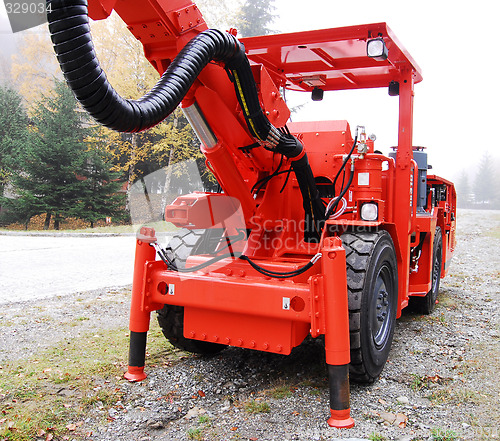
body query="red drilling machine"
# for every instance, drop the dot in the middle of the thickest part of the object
(314, 232)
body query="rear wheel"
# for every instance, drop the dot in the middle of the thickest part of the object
(372, 283)
(170, 317)
(425, 305)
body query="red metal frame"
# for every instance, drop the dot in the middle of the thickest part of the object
(233, 304)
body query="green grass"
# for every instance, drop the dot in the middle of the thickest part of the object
(60, 387)
(443, 434)
(376, 437)
(257, 406)
(281, 391)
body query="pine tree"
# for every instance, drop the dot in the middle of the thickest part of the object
(484, 184)
(13, 131)
(100, 197)
(54, 158)
(255, 18)
(64, 171)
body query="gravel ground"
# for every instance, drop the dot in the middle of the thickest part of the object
(442, 372)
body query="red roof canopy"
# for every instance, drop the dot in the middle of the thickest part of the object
(332, 59)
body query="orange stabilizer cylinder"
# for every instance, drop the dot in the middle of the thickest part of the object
(337, 345)
(139, 313)
(144, 252)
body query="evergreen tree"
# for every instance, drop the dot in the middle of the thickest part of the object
(100, 197)
(484, 185)
(54, 159)
(63, 173)
(255, 18)
(13, 131)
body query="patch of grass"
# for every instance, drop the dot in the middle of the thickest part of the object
(56, 390)
(195, 433)
(440, 396)
(443, 434)
(376, 437)
(417, 382)
(257, 406)
(281, 391)
(204, 419)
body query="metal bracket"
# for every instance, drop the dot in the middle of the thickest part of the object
(318, 326)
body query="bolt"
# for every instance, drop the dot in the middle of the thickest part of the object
(193, 334)
(279, 348)
(379, 306)
(265, 345)
(380, 296)
(240, 342)
(380, 318)
(203, 336)
(216, 338)
(386, 303)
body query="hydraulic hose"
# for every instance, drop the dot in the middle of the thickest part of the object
(70, 34)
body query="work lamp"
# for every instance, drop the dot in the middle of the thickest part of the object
(377, 49)
(369, 211)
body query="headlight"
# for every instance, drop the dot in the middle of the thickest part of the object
(369, 211)
(377, 49)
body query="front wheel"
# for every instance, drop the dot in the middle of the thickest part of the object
(372, 281)
(171, 318)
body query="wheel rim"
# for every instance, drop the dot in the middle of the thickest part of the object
(381, 306)
(436, 271)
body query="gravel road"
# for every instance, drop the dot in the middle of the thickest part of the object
(442, 373)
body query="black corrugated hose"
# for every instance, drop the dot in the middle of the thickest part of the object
(70, 34)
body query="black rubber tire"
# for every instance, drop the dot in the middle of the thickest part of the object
(372, 282)
(171, 318)
(425, 305)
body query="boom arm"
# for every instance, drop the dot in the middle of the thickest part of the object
(68, 24)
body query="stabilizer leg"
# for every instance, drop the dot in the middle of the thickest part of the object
(139, 311)
(337, 345)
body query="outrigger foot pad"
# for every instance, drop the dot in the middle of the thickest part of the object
(135, 373)
(341, 419)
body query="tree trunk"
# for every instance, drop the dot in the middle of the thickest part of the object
(46, 224)
(56, 223)
(91, 224)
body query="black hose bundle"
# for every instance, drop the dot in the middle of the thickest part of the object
(70, 33)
